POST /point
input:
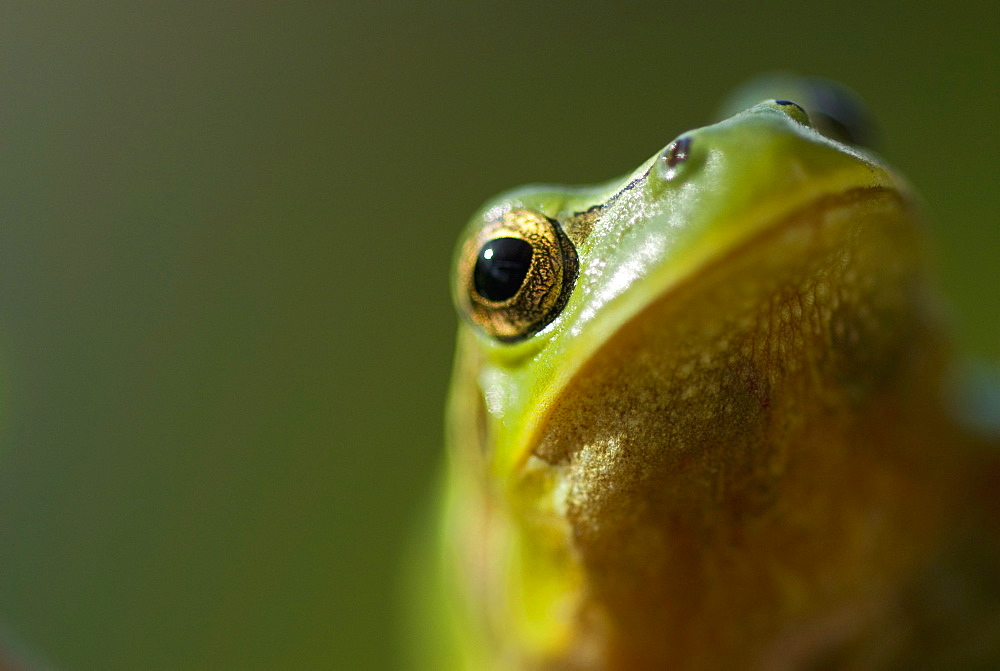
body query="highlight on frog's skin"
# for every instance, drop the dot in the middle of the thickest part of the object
(515, 274)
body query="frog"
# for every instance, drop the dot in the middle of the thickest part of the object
(700, 417)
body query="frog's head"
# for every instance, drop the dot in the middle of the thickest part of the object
(547, 276)
(644, 359)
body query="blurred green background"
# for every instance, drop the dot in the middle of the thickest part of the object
(225, 232)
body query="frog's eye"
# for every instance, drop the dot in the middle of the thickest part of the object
(837, 112)
(515, 275)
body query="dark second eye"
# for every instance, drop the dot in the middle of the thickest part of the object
(501, 267)
(515, 274)
(838, 112)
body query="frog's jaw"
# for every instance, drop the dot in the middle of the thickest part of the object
(747, 455)
(514, 587)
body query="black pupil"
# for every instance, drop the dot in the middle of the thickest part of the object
(501, 267)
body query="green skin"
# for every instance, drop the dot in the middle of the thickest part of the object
(581, 529)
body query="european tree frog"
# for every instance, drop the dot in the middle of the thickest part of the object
(697, 420)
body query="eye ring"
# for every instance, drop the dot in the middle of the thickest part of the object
(515, 275)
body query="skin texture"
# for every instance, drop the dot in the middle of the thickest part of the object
(729, 448)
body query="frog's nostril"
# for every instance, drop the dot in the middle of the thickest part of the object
(673, 156)
(794, 110)
(789, 102)
(677, 152)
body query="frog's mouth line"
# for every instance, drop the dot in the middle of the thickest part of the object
(810, 215)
